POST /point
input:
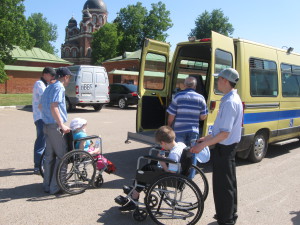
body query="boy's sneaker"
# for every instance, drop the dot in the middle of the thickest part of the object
(127, 189)
(128, 207)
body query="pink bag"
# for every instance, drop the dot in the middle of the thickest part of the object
(102, 162)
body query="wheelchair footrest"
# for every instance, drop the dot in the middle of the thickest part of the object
(121, 200)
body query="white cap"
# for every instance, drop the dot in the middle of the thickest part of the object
(229, 74)
(77, 123)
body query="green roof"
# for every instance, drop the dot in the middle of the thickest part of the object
(137, 55)
(36, 55)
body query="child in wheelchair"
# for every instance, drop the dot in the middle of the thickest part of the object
(165, 136)
(78, 127)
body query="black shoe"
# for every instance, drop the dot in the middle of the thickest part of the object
(36, 171)
(121, 200)
(128, 207)
(127, 189)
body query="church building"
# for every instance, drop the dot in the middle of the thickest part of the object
(77, 46)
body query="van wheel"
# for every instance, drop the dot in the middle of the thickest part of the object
(259, 147)
(69, 106)
(122, 103)
(97, 108)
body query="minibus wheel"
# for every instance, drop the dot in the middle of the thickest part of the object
(259, 147)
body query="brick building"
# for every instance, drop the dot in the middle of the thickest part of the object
(125, 69)
(27, 69)
(77, 46)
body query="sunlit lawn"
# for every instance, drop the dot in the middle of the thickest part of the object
(15, 99)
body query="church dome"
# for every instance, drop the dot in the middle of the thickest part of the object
(87, 14)
(95, 4)
(72, 22)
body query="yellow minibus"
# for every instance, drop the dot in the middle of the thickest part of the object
(269, 87)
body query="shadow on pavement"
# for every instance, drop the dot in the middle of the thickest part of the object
(12, 172)
(31, 192)
(296, 219)
(126, 218)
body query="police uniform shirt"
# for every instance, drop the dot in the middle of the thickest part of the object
(229, 118)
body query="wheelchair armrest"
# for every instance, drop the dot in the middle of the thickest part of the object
(155, 158)
(87, 138)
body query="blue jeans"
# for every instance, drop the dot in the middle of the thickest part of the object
(39, 144)
(186, 138)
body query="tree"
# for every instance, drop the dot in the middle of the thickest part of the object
(214, 21)
(130, 22)
(157, 22)
(42, 31)
(13, 32)
(105, 43)
(135, 23)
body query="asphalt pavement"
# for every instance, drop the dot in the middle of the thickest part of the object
(268, 191)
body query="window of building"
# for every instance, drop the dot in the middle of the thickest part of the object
(67, 52)
(94, 19)
(74, 53)
(263, 78)
(290, 79)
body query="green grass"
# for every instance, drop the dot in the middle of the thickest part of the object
(15, 99)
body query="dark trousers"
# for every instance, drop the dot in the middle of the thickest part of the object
(224, 183)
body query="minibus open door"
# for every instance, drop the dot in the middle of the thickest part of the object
(153, 84)
(222, 56)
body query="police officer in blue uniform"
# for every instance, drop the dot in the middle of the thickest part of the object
(226, 134)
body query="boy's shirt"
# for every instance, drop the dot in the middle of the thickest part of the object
(175, 154)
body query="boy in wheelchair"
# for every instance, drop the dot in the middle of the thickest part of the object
(165, 136)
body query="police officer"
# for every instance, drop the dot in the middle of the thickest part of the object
(226, 134)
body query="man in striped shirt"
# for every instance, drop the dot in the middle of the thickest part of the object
(185, 111)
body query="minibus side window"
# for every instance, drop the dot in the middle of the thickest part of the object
(290, 78)
(154, 73)
(263, 78)
(223, 60)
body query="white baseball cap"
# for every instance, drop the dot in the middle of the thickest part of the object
(229, 74)
(77, 123)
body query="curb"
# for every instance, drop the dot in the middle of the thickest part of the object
(16, 107)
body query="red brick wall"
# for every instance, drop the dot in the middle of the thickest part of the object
(22, 81)
(132, 65)
(19, 82)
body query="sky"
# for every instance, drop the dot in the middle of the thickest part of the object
(265, 21)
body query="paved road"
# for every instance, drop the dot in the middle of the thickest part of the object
(268, 191)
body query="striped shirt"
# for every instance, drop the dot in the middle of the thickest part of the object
(187, 107)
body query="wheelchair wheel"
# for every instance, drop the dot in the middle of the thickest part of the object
(76, 172)
(139, 214)
(97, 183)
(42, 164)
(201, 181)
(179, 200)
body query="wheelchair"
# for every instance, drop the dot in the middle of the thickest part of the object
(77, 170)
(169, 198)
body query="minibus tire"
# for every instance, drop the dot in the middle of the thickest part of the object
(259, 147)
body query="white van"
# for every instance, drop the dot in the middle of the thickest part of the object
(89, 87)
